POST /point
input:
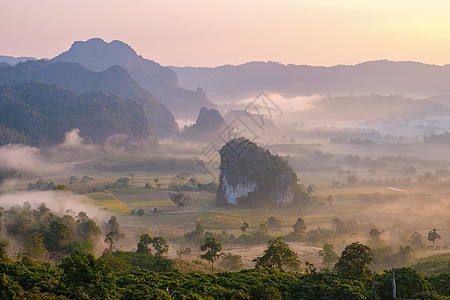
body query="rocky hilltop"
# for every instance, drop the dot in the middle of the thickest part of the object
(98, 55)
(208, 125)
(253, 176)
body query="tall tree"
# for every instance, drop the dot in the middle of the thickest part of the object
(433, 236)
(160, 245)
(212, 248)
(58, 237)
(278, 255)
(329, 256)
(354, 260)
(144, 241)
(114, 234)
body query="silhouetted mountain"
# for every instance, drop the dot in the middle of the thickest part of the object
(209, 123)
(97, 55)
(11, 60)
(226, 83)
(39, 114)
(114, 80)
(3, 64)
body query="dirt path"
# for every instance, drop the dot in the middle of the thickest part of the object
(113, 195)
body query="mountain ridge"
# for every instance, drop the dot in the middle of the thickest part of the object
(114, 80)
(162, 82)
(229, 82)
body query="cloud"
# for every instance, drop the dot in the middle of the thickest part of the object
(58, 201)
(21, 157)
(74, 142)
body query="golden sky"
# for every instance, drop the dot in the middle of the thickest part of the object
(213, 32)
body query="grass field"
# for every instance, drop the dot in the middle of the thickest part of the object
(108, 202)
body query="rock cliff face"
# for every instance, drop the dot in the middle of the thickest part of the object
(253, 176)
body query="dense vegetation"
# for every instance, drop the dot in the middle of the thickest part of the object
(40, 114)
(115, 80)
(146, 273)
(81, 276)
(244, 163)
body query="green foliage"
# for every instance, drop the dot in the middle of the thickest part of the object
(160, 245)
(409, 283)
(212, 249)
(81, 276)
(85, 275)
(12, 173)
(278, 255)
(114, 234)
(125, 261)
(41, 185)
(433, 236)
(354, 260)
(329, 256)
(58, 237)
(34, 111)
(433, 265)
(144, 241)
(231, 262)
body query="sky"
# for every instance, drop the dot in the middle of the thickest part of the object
(216, 32)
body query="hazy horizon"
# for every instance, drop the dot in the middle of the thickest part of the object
(201, 33)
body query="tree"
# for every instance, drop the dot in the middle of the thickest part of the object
(299, 226)
(231, 262)
(58, 237)
(375, 237)
(278, 255)
(416, 240)
(329, 256)
(34, 245)
(88, 229)
(274, 224)
(243, 229)
(433, 236)
(144, 241)
(196, 235)
(212, 248)
(354, 260)
(84, 274)
(114, 234)
(160, 245)
(183, 251)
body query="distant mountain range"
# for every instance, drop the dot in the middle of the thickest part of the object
(11, 60)
(227, 83)
(115, 80)
(40, 114)
(97, 55)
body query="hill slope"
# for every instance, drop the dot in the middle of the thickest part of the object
(39, 114)
(97, 55)
(114, 80)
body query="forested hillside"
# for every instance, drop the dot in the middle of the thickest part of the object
(39, 113)
(115, 80)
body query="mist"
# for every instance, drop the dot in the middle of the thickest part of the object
(60, 202)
